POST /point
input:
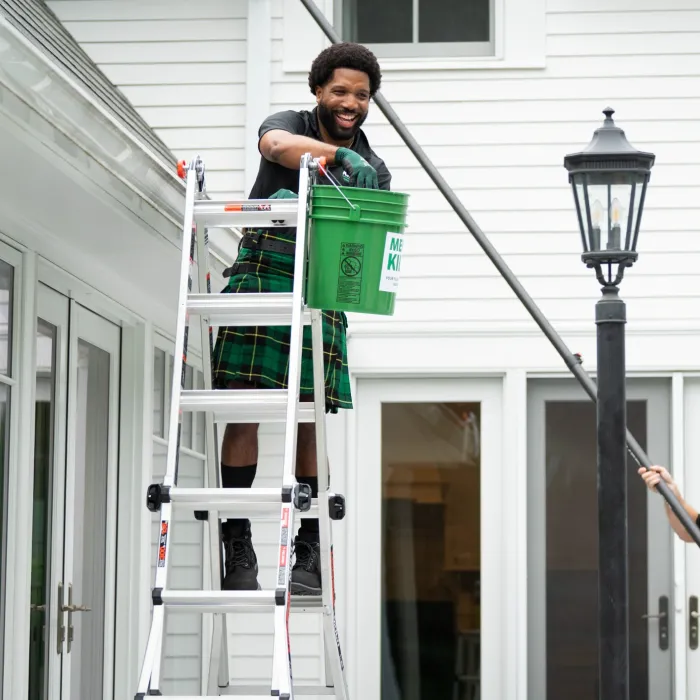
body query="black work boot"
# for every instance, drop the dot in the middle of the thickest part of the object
(306, 572)
(241, 562)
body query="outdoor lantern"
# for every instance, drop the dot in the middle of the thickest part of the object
(609, 180)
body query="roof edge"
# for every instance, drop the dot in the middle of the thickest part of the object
(45, 86)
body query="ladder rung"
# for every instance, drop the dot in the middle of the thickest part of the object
(270, 213)
(244, 405)
(267, 309)
(235, 503)
(258, 690)
(234, 601)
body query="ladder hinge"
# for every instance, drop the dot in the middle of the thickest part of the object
(280, 596)
(201, 515)
(286, 494)
(156, 495)
(336, 506)
(302, 497)
(157, 596)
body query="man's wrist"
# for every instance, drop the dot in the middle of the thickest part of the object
(339, 154)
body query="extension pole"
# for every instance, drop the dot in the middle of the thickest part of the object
(571, 361)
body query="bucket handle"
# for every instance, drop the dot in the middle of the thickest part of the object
(334, 182)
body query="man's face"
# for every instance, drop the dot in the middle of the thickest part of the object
(343, 103)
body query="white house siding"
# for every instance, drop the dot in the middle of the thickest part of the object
(499, 136)
(182, 65)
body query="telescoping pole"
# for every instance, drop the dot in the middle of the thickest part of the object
(572, 361)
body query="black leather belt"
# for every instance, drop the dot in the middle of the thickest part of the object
(256, 242)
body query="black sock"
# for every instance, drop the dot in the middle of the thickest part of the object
(309, 526)
(238, 478)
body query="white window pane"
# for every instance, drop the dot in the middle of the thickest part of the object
(7, 274)
(159, 392)
(199, 435)
(453, 20)
(372, 22)
(186, 439)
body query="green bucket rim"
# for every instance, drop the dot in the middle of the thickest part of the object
(360, 215)
(323, 192)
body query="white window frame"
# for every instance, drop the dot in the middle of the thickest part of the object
(15, 551)
(425, 49)
(519, 37)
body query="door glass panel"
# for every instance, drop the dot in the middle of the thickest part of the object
(431, 553)
(90, 528)
(571, 532)
(4, 439)
(42, 507)
(7, 273)
(6, 303)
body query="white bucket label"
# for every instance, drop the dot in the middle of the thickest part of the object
(391, 265)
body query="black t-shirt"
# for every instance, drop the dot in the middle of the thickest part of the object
(273, 176)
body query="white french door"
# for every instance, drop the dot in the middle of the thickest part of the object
(74, 543)
(563, 544)
(426, 541)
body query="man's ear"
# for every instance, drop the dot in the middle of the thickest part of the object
(319, 92)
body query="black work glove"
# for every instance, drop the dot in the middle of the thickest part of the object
(361, 173)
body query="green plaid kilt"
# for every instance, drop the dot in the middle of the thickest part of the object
(259, 356)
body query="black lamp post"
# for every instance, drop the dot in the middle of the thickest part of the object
(609, 180)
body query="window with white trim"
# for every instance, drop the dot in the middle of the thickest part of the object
(406, 28)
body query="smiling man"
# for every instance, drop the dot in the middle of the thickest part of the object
(343, 78)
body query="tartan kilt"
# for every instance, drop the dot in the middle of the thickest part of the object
(259, 355)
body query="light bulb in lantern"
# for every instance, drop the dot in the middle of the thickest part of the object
(596, 216)
(615, 218)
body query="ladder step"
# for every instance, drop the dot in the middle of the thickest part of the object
(234, 601)
(259, 690)
(244, 405)
(235, 503)
(242, 213)
(268, 309)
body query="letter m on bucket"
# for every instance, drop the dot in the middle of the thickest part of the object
(391, 264)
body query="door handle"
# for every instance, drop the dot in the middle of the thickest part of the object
(70, 608)
(662, 617)
(61, 628)
(693, 622)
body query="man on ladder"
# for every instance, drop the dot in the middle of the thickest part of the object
(343, 78)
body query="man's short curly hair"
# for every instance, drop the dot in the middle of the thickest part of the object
(345, 55)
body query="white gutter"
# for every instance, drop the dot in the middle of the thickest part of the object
(58, 97)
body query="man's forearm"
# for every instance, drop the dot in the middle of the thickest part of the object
(287, 149)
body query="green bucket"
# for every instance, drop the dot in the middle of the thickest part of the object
(355, 251)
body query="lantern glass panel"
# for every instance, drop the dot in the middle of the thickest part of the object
(606, 201)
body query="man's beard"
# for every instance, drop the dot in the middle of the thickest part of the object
(335, 131)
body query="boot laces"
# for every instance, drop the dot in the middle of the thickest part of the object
(306, 555)
(239, 552)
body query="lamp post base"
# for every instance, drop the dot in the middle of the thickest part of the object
(613, 591)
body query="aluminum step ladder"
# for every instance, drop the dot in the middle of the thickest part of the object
(214, 503)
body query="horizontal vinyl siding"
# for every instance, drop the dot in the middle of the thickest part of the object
(182, 668)
(182, 65)
(499, 139)
(251, 634)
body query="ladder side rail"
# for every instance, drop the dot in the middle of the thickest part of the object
(334, 664)
(282, 673)
(218, 672)
(151, 670)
